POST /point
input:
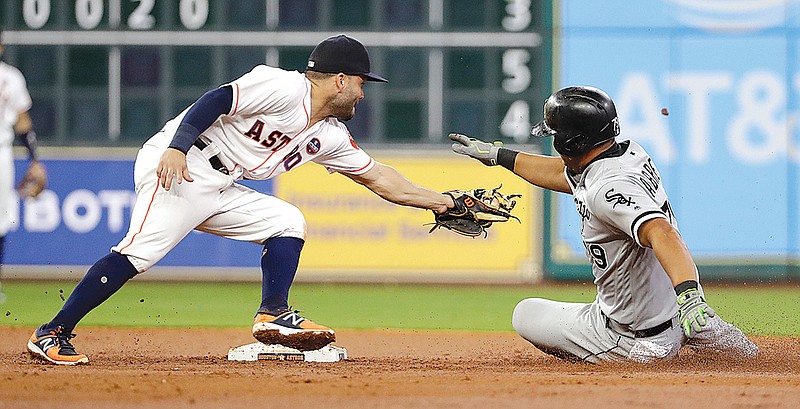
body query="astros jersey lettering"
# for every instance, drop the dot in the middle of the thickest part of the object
(267, 131)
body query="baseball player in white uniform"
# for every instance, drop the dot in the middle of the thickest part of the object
(15, 121)
(639, 260)
(267, 122)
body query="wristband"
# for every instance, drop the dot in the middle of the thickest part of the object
(28, 140)
(184, 137)
(506, 158)
(686, 285)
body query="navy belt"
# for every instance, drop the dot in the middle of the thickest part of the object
(215, 161)
(639, 333)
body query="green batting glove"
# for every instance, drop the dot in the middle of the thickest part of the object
(692, 312)
(483, 151)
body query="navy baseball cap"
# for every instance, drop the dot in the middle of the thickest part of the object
(342, 54)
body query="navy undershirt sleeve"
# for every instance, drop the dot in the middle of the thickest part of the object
(28, 140)
(201, 115)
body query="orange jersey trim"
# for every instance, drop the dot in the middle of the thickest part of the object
(236, 105)
(149, 206)
(308, 123)
(361, 168)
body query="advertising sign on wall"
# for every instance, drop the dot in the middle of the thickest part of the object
(352, 233)
(711, 90)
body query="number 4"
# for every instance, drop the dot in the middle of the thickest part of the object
(517, 122)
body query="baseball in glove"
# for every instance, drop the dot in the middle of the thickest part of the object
(475, 211)
(33, 182)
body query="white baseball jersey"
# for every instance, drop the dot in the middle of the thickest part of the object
(268, 131)
(14, 99)
(615, 194)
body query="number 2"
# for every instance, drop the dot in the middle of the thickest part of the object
(140, 18)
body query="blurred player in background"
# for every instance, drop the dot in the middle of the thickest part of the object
(649, 300)
(15, 121)
(265, 123)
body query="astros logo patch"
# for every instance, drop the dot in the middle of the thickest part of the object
(313, 146)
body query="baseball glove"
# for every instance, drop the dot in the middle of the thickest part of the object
(475, 211)
(33, 182)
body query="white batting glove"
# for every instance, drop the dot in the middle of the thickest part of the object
(692, 312)
(483, 151)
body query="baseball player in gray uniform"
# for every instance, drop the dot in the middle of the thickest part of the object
(649, 299)
(267, 122)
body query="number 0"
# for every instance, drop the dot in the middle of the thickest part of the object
(88, 13)
(194, 13)
(36, 13)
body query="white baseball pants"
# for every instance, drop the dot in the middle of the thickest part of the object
(212, 203)
(578, 331)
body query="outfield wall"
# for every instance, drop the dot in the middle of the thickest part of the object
(353, 235)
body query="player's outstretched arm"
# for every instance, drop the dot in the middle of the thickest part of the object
(386, 182)
(543, 171)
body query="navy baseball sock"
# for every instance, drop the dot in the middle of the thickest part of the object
(278, 266)
(102, 280)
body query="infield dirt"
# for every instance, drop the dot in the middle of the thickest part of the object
(171, 368)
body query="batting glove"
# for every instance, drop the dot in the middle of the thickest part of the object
(692, 312)
(474, 148)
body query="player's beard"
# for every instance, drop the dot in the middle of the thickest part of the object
(343, 106)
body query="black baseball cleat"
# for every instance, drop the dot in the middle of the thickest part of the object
(291, 330)
(54, 347)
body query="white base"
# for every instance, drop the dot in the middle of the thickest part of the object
(257, 350)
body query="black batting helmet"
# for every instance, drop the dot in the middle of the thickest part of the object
(578, 118)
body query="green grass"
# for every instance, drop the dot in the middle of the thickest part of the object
(764, 310)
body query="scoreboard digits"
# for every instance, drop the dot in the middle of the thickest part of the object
(481, 65)
(88, 14)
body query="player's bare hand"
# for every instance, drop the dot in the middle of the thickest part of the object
(448, 204)
(34, 181)
(172, 166)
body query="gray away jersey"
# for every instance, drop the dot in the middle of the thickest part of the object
(615, 195)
